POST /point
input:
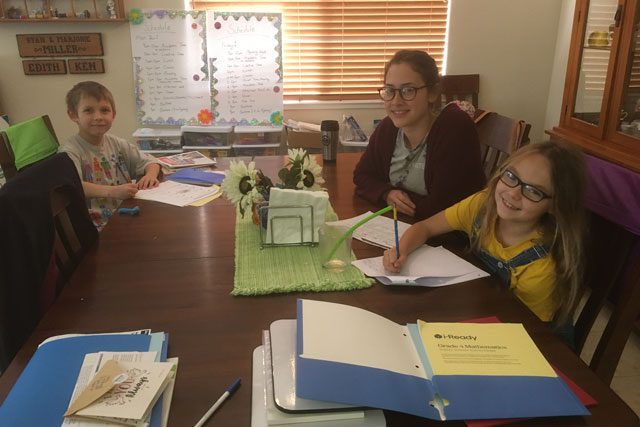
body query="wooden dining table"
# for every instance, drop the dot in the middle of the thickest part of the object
(171, 269)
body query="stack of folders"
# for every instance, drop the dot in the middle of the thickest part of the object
(78, 380)
(274, 399)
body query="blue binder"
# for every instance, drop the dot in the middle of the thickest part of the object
(41, 395)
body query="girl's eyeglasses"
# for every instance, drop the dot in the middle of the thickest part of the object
(532, 193)
(407, 93)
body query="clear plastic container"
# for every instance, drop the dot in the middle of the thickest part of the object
(158, 141)
(257, 140)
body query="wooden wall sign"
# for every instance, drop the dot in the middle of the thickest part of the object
(41, 67)
(86, 66)
(61, 44)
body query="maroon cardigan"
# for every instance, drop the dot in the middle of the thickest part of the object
(453, 167)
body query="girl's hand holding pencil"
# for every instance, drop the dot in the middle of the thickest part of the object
(392, 262)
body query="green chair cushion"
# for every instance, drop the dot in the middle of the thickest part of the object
(31, 141)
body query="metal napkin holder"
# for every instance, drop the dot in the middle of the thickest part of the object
(263, 212)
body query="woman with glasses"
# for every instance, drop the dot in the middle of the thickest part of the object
(526, 227)
(416, 159)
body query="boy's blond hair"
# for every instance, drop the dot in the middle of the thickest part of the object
(93, 89)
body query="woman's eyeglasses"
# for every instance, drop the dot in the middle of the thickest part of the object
(407, 93)
(532, 193)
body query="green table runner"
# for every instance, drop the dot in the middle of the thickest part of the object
(286, 268)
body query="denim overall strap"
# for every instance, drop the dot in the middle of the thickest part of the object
(503, 268)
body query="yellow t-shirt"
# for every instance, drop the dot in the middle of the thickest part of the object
(532, 283)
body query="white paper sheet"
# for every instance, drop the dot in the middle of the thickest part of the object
(378, 231)
(426, 266)
(177, 194)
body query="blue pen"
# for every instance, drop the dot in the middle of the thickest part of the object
(232, 388)
(395, 226)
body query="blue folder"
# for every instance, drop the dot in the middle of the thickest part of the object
(442, 397)
(196, 177)
(42, 393)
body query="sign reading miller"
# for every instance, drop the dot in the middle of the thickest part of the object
(69, 44)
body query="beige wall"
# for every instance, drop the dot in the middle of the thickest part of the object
(510, 43)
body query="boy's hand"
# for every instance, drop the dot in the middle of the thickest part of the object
(148, 181)
(124, 191)
(391, 263)
(402, 201)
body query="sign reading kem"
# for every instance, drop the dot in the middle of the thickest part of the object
(86, 66)
(61, 44)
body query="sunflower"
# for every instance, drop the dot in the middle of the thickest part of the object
(239, 185)
(311, 174)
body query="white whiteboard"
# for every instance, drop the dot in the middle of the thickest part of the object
(170, 69)
(220, 68)
(246, 67)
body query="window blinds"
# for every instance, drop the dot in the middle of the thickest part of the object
(336, 49)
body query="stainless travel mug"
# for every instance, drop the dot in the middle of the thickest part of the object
(329, 135)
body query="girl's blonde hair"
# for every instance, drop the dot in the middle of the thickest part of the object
(562, 228)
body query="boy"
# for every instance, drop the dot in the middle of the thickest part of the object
(106, 164)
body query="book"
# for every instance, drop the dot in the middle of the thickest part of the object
(122, 391)
(91, 370)
(191, 158)
(197, 177)
(440, 371)
(50, 376)
(426, 266)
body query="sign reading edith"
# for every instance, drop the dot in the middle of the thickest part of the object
(70, 44)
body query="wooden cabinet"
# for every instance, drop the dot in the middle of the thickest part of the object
(26, 11)
(601, 100)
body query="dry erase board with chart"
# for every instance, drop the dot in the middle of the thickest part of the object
(196, 67)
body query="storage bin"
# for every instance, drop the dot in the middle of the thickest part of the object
(257, 140)
(212, 141)
(158, 141)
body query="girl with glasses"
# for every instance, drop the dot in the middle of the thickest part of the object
(526, 227)
(416, 159)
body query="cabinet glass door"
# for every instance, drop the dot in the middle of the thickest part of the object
(629, 112)
(594, 62)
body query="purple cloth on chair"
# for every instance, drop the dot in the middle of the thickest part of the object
(613, 192)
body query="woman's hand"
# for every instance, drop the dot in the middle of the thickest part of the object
(402, 201)
(391, 263)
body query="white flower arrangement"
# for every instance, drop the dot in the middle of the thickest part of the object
(245, 185)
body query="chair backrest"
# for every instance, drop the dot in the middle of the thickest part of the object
(26, 143)
(462, 87)
(33, 215)
(68, 250)
(612, 278)
(499, 137)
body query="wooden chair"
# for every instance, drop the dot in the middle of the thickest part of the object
(68, 250)
(462, 87)
(31, 219)
(613, 283)
(7, 159)
(499, 137)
